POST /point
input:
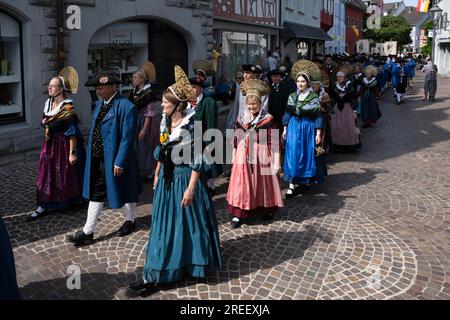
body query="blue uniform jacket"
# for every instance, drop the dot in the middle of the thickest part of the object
(119, 131)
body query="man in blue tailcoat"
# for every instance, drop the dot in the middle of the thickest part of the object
(111, 164)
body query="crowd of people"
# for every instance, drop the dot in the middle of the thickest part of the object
(283, 124)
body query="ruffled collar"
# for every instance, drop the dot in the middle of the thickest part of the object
(48, 107)
(342, 88)
(146, 87)
(369, 82)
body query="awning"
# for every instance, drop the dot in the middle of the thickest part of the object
(302, 31)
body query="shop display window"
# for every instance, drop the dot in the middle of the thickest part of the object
(11, 86)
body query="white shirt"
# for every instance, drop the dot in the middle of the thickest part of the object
(272, 62)
(110, 99)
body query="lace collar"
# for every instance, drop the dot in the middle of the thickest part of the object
(342, 88)
(369, 82)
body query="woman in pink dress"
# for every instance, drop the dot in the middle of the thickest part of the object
(254, 188)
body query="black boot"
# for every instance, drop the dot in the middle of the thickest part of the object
(81, 239)
(139, 285)
(127, 228)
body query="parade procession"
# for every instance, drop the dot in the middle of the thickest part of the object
(263, 154)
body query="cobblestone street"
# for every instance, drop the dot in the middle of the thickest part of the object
(378, 229)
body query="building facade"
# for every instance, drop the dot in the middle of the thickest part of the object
(442, 43)
(355, 12)
(244, 31)
(338, 31)
(415, 20)
(117, 36)
(302, 34)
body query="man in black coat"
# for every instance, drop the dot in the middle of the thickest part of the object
(279, 95)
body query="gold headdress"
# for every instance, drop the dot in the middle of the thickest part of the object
(182, 88)
(150, 71)
(309, 68)
(373, 70)
(203, 66)
(255, 88)
(69, 78)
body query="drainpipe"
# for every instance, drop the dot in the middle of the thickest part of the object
(60, 33)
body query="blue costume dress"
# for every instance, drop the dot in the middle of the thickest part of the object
(300, 164)
(183, 241)
(370, 109)
(8, 281)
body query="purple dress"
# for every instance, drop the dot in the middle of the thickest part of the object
(60, 184)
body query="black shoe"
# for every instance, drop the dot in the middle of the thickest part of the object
(236, 224)
(127, 228)
(33, 217)
(139, 285)
(81, 239)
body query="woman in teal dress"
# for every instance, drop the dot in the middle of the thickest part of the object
(184, 239)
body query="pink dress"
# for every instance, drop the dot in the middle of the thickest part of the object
(254, 187)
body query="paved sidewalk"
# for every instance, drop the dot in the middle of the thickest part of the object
(378, 229)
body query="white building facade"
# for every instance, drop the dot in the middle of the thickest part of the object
(442, 43)
(338, 30)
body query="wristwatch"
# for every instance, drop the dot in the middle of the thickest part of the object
(73, 152)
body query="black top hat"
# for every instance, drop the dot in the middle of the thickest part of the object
(103, 79)
(197, 81)
(276, 72)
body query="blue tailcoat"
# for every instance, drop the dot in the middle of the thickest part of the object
(119, 131)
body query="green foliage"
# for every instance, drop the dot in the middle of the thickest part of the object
(426, 50)
(392, 29)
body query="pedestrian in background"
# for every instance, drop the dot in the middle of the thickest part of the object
(430, 86)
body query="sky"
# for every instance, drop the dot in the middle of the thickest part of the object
(407, 2)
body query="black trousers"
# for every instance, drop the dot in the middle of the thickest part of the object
(98, 180)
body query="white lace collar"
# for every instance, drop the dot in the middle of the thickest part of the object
(147, 86)
(371, 81)
(48, 107)
(342, 88)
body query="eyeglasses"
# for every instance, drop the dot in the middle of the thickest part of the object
(53, 86)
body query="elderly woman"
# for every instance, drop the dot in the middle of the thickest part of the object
(148, 123)
(370, 95)
(184, 238)
(344, 129)
(300, 132)
(62, 157)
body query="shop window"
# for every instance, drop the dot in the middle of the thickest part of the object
(11, 84)
(123, 47)
(241, 48)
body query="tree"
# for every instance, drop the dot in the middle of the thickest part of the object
(426, 50)
(392, 29)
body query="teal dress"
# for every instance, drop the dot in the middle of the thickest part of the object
(183, 241)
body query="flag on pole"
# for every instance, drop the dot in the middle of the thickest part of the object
(423, 5)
